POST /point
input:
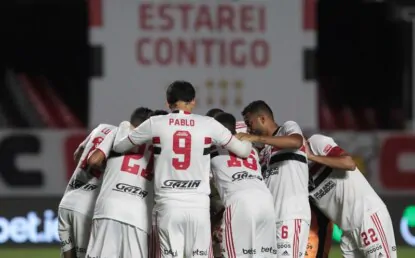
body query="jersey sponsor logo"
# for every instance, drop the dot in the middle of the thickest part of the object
(324, 190)
(66, 242)
(80, 250)
(270, 172)
(249, 251)
(170, 252)
(283, 245)
(244, 175)
(374, 249)
(75, 184)
(181, 184)
(268, 250)
(130, 189)
(198, 252)
(327, 148)
(89, 187)
(285, 253)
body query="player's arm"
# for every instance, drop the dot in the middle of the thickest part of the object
(325, 151)
(139, 135)
(98, 157)
(223, 137)
(293, 140)
(80, 149)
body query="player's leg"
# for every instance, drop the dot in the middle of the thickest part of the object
(81, 229)
(348, 246)
(134, 243)
(292, 237)
(265, 231)
(106, 238)
(66, 233)
(319, 239)
(197, 235)
(170, 225)
(376, 237)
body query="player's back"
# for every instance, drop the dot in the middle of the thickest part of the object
(344, 196)
(83, 186)
(127, 189)
(234, 176)
(285, 172)
(182, 144)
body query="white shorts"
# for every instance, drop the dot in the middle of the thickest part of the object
(249, 228)
(292, 238)
(375, 238)
(182, 232)
(113, 239)
(74, 229)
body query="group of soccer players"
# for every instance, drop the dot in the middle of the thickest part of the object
(183, 185)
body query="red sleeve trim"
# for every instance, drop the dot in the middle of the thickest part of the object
(336, 151)
(228, 142)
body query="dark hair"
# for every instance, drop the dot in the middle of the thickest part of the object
(227, 120)
(258, 106)
(140, 115)
(159, 112)
(180, 91)
(214, 111)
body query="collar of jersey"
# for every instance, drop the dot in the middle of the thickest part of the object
(276, 131)
(178, 111)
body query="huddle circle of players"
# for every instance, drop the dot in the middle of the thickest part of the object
(185, 185)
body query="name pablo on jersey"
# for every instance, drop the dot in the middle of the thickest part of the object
(182, 122)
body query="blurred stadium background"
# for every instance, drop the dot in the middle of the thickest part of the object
(346, 68)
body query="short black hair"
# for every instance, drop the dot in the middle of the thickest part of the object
(227, 120)
(214, 111)
(180, 91)
(159, 112)
(258, 106)
(140, 115)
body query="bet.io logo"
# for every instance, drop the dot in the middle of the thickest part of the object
(408, 223)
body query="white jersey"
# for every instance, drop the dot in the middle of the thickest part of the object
(233, 175)
(182, 144)
(344, 196)
(286, 174)
(127, 187)
(83, 187)
(241, 127)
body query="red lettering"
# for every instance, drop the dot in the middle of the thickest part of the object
(309, 14)
(185, 10)
(167, 20)
(262, 19)
(203, 19)
(392, 176)
(235, 53)
(140, 51)
(257, 59)
(225, 17)
(145, 16)
(181, 122)
(235, 60)
(171, 121)
(247, 18)
(71, 144)
(164, 51)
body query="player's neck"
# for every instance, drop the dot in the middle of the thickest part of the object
(272, 129)
(184, 107)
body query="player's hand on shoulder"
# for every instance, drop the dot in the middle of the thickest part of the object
(246, 137)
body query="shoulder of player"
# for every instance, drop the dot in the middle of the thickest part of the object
(289, 123)
(315, 138)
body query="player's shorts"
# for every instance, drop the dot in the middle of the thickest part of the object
(182, 232)
(375, 238)
(320, 237)
(74, 229)
(292, 237)
(111, 238)
(248, 227)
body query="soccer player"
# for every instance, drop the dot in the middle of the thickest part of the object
(249, 222)
(122, 215)
(159, 112)
(77, 204)
(286, 174)
(182, 144)
(213, 112)
(342, 193)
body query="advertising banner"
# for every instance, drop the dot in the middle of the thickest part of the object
(234, 52)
